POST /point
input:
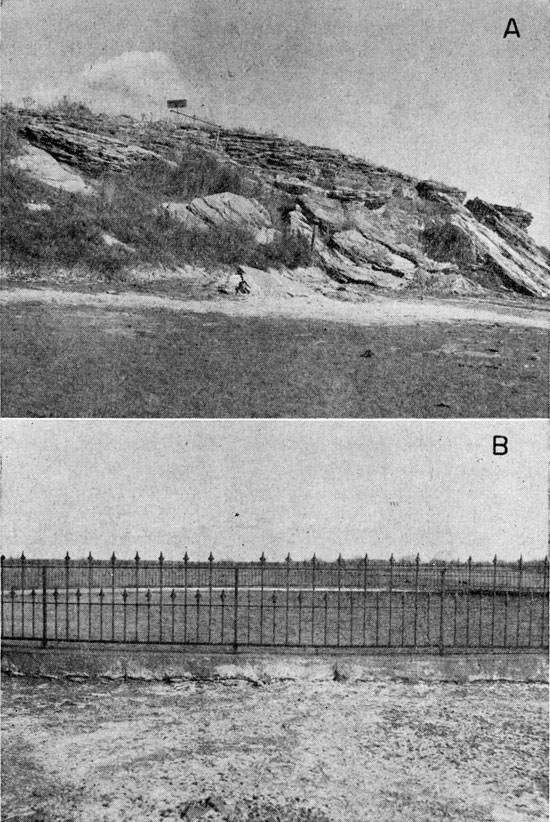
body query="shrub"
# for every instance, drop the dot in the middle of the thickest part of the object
(447, 242)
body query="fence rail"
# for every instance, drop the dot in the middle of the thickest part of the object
(365, 605)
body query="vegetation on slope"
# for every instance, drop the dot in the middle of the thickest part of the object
(128, 207)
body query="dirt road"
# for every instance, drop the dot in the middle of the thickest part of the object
(283, 752)
(376, 310)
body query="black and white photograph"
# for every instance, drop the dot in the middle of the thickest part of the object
(275, 399)
(275, 620)
(275, 209)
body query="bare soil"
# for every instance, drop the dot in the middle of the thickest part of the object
(283, 752)
(82, 354)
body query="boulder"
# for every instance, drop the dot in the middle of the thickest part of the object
(41, 166)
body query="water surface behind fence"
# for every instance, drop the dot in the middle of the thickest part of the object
(362, 605)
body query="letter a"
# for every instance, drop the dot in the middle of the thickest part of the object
(511, 28)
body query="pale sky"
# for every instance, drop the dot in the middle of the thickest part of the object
(240, 487)
(429, 87)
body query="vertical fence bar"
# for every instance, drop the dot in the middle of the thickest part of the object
(198, 601)
(12, 597)
(2, 561)
(339, 599)
(136, 585)
(287, 604)
(148, 602)
(519, 595)
(402, 619)
(480, 626)
(124, 614)
(173, 604)
(442, 613)
(299, 616)
(428, 617)
(161, 583)
(325, 602)
(274, 603)
(455, 618)
(416, 572)
(101, 597)
(23, 595)
(55, 603)
(390, 603)
(210, 571)
(365, 564)
(113, 564)
(222, 599)
(185, 564)
(67, 563)
(44, 606)
(531, 604)
(78, 595)
(248, 607)
(505, 643)
(351, 616)
(494, 600)
(313, 600)
(377, 600)
(33, 600)
(262, 567)
(90, 582)
(544, 591)
(236, 611)
(468, 587)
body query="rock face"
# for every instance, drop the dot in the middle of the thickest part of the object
(225, 209)
(90, 153)
(44, 168)
(365, 223)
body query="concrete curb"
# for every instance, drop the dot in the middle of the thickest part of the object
(158, 664)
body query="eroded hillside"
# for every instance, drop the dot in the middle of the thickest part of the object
(172, 193)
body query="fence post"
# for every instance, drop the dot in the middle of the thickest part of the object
(441, 613)
(2, 560)
(44, 607)
(236, 611)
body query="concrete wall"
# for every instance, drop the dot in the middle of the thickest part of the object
(79, 662)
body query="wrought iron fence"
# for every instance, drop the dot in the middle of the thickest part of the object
(362, 605)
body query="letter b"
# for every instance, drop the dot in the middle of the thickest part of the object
(500, 445)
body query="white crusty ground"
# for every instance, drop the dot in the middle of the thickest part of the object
(376, 752)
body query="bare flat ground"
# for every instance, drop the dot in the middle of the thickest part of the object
(283, 752)
(81, 353)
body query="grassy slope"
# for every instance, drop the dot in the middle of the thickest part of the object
(127, 207)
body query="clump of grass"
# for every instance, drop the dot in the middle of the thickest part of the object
(446, 242)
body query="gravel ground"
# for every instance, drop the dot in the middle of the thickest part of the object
(283, 752)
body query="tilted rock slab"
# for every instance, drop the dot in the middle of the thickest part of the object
(91, 153)
(225, 209)
(45, 169)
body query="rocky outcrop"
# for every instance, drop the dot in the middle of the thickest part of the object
(91, 153)
(225, 209)
(366, 223)
(518, 216)
(44, 168)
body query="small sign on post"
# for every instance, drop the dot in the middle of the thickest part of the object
(176, 104)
